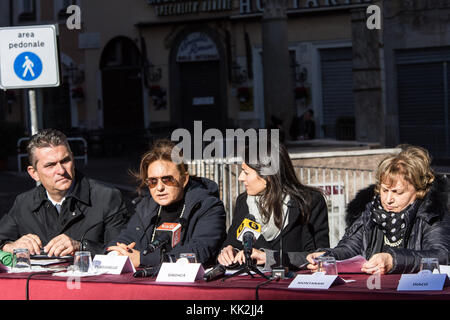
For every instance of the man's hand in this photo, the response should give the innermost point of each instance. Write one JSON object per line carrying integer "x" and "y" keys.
{"x": 28, "y": 241}
{"x": 379, "y": 263}
{"x": 62, "y": 245}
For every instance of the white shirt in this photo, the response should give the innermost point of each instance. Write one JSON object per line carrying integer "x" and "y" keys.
{"x": 57, "y": 205}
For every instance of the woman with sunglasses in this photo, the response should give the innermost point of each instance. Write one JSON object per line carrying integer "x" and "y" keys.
{"x": 174, "y": 197}
{"x": 290, "y": 214}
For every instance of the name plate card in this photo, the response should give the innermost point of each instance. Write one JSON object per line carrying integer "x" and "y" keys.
{"x": 180, "y": 272}
{"x": 113, "y": 264}
{"x": 318, "y": 280}
{"x": 445, "y": 269}
{"x": 422, "y": 281}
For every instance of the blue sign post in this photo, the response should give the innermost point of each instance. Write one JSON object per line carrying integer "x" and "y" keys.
{"x": 28, "y": 66}
{"x": 29, "y": 60}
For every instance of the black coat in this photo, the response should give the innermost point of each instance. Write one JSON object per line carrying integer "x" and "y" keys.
{"x": 204, "y": 230}
{"x": 91, "y": 208}
{"x": 428, "y": 234}
{"x": 298, "y": 239}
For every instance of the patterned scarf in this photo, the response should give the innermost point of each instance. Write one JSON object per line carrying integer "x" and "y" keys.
{"x": 393, "y": 224}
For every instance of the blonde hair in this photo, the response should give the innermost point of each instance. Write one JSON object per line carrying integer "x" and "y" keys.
{"x": 412, "y": 164}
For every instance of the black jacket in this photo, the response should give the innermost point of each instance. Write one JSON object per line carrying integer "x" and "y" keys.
{"x": 298, "y": 239}
{"x": 202, "y": 234}
{"x": 91, "y": 208}
{"x": 428, "y": 234}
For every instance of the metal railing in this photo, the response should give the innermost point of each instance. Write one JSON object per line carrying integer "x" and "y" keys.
{"x": 84, "y": 147}
{"x": 225, "y": 173}
{"x": 340, "y": 186}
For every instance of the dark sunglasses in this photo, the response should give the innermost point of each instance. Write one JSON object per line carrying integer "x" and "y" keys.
{"x": 167, "y": 180}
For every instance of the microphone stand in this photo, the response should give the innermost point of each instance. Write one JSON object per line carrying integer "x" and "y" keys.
{"x": 247, "y": 267}
{"x": 281, "y": 271}
{"x": 155, "y": 270}
{"x": 158, "y": 267}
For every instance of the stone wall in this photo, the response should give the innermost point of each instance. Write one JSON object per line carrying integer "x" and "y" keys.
{"x": 346, "y": 172}
{"x": 348, "y": 160}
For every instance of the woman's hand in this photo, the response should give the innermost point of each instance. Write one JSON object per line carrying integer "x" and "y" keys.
{"x": 379, "y": 263}
{"x": 127, "y": 250}
{"x": 226, "y": 256}
{"x": 258, "y": 255}
{"x": 311, "y": 258}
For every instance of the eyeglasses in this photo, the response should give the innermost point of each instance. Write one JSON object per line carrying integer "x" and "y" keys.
{"x": 167, "y": 180}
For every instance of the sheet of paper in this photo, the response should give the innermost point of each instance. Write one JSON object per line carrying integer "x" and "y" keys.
{"x": 352, "y": 265}
{"x": 77, "y": 274}
{"x": 35, "y": 269}
{"x": 46, "y": 262}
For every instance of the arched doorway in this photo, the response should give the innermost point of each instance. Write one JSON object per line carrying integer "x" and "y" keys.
{"x": 198, "y": 79}
{"x": 120, "y": 65}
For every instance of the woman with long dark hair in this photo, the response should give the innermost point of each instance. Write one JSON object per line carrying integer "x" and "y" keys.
{"x": 289, "y": 212}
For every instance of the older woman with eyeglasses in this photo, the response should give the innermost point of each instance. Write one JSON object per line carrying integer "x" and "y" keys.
{"x": 174, "y": 197}
{"x": 405, "y": 220}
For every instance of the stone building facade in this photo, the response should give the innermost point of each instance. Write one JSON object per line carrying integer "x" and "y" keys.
{"x": 147, "y": 66}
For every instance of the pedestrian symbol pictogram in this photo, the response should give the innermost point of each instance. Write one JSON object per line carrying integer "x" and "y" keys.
{"x": 28, "y": 66}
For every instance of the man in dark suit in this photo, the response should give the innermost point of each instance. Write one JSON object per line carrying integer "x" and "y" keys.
{"x": 67, "y": 212}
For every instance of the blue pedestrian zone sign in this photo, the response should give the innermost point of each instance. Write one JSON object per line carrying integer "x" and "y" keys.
{"x": 29, "y": 57}
{"x": 28, "y": 66}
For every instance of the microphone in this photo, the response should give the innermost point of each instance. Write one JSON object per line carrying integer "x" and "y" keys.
{"x": 168, "y": 233}
{"x": 83, "y": 245}
{"x": 215, "y": 273}
{"x": 247, "y": 242}
{"x": 146, "y": 272}
{"x": 248, "y": 232}
{"x": 248, "y": 225}
{"x": 159, "y": 242}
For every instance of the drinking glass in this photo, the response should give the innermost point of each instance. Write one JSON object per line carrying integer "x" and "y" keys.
{"x": 21, "y": 259}
{"x": 327, "y": 265}
{"x": 431, "y": 264}
{"x": 82, "y": 261}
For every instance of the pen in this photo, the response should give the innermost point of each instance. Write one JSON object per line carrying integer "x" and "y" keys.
{"x": 303, "y": 265}
{"x": 316, "y": 259}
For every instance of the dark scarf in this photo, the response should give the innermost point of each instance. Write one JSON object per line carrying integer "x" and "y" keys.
{"x": 393, "y": 224}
